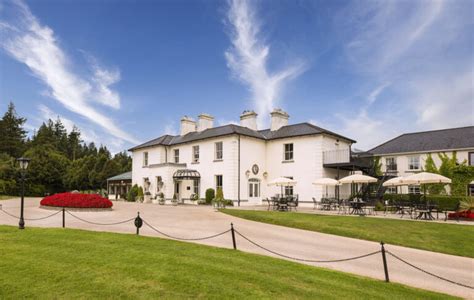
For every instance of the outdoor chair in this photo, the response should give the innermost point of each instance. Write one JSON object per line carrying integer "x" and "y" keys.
{"x": 293, "y": 202}
{"x": 325, "y": 204}
{"x": 274, "y": 203}
{"x": 370, "y": 208}
{"x": 344, "y": 206}
{"x": 316, "y": 203}
{"x": 269, "y": 203}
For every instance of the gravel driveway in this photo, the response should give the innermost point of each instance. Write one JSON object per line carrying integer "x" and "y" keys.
{"x": 200, "y": 221}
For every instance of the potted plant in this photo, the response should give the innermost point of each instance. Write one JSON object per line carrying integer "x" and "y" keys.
{"x": 175, "y": 200}
{"x": 147, "y": 197}
{"x": 218, "y": 200}
{"x": 161, "y": 198}
{"x": 140, "y": 194}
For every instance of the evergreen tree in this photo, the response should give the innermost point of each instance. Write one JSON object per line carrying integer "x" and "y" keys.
{"x": 12, "y": 134}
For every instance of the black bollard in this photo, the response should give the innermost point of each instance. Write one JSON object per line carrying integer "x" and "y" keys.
{"x": 64, "y": 217}
{"x": 233, "y": 236}
{"x": 384, "y": 259}
{"x": 138, "y": 223}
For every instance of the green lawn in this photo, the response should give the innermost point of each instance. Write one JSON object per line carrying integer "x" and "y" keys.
{"x": 6, "y": 197}
{"x": 445, "y": 238}
{"x": 68, "y": 263}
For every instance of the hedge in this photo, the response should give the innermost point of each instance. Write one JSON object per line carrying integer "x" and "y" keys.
{"x": 443, "y": 202}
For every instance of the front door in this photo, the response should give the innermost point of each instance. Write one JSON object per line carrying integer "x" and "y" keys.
{"x": 254, "y": 192}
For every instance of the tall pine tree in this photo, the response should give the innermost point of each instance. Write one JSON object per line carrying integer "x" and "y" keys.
{"x": 12, "y": 134}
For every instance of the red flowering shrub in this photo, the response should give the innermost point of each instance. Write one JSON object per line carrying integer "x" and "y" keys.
{"x": 76, "y": 200}
{"x": 466, "y": 214}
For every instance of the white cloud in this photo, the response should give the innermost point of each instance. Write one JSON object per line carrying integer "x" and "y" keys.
{"x": 37, "y": 47}
{"x": 376, "y": 92}
{"x": 86, "y": 134}
{"x": 418, "y": 51}
{"x": 248, "y": 58}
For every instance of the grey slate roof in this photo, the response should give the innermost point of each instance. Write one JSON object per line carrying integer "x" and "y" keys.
{"x": 123, "y": 176}
{"x": 444, "y": 139}
{"x": 284, "y": 132}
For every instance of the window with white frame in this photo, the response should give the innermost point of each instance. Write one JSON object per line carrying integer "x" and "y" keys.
{"x": 219, "y": 151}
{"x": 196, "y": 186}
{"x": 391, "y": 164}
{"x": 219, "y": 181}
{"x": 471, "y": 158}
{"x": 414, "y": 162}
{"x": 195, "y": 154}
{"x": 413, "y": 189}
{"x": 289, "y": 189}
{"x": 471, "y": 190}
{"x": 391, "y": 190}
{"x": 145, "y": 159}
{"x": 288, "y": 152}
{"x": 176, "y": 155}
{"x": 159, "y": 183}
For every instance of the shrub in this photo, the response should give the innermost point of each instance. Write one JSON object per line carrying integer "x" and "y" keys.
{"x": 76, "y": 200}
{"x": 443, "y": 202}
{"x": 210, "y": 195}
{"x": 220, "y": 194}
{"x": 140, "y": 193}
{"x": 132, "y": 193}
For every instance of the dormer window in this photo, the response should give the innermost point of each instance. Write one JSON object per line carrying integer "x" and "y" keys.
{"x": 145, "y": 159}
{"x": 176, "y": 156}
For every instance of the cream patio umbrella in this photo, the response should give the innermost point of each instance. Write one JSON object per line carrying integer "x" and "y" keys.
{"x": 326, "y": 182}
{"x": 282, "y": 181}
{"x": 358, "y": 178}
{"x": 395, "y": 182}
{"x": 426, "y": 178}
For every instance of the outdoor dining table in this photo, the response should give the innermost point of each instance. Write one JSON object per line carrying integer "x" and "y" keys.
{"x": 425, "y": 212}
{"x": 357, "y": 207}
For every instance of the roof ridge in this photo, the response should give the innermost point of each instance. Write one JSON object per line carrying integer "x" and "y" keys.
{"x": 434, "y": 130}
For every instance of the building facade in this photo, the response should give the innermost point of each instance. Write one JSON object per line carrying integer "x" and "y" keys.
{"x": 407, "y": 153}
{"x": 240, "y": 159}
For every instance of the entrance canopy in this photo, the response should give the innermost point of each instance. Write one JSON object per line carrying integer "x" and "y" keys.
{"x": 186, "y": 174}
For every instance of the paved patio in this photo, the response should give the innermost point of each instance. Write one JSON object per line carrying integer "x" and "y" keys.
{"x": 199, "y": 221}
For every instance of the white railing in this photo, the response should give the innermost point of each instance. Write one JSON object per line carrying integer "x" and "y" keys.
{"x": 336, "y": 156}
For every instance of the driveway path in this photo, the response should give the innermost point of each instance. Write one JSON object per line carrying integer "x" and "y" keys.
{"x": 199, "y": 221}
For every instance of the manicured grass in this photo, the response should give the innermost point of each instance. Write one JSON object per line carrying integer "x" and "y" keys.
{"x": 445, "y": 238}
{"x": 6, "y": 197}
{"x": 67, "y": 263}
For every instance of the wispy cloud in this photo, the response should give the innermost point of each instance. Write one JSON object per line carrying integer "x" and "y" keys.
{"x": 46, "y": 113}
{"x": 29, "y": 42}
{"x": 376, "y": 92}
{"x": 248, "y": 57}
{"x": 417, "y": 51}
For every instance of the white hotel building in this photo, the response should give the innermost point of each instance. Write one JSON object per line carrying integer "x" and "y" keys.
{"x": 241, "y": 159}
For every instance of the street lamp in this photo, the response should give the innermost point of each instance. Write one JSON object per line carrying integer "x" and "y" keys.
{"x": 23, "y": 166}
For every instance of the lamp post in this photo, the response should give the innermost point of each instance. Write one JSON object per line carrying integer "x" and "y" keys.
{"x": 23, "y": 166}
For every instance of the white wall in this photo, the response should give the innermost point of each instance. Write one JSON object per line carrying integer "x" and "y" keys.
{"x": 402, "y": 161}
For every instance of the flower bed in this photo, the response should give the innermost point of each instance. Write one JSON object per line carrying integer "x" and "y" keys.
{"x": 466, "y": 214}
{"x": 76, "y": 201}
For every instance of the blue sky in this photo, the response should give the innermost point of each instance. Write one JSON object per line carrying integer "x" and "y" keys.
{"x": 126, "y": 71}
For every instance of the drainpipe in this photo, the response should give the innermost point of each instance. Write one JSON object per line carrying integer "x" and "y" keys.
{"x": 238, "y": 175}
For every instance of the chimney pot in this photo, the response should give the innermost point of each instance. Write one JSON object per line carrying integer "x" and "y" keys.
{"x": 248, "y": 119}
{"x": 205, "y": 121}
{"x": 279, "y": 119}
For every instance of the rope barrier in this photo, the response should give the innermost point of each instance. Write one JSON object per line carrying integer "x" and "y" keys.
{"x": 27, "y": 219}
{"x": 306, "y": 260}
{"x": 429, "y": 273}
{"x": 185, "y": 239}
{"x": 96, "y": 223}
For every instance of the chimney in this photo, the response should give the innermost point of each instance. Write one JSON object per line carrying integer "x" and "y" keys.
{"x": 205, "y": 121}
{"x": 249, "y": 119}
{"x": 279, "y": 119}
{"x": 187, "y": 125}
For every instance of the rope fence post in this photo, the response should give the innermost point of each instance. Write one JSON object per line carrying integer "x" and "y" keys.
{"x": 233, "y": 236}
{"x": 384, "y": 259}
{"x": 64, "y": 217}
{"x": 138, "y": 222}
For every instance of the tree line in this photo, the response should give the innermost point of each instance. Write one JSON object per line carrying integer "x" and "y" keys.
{"x": 60, "y": 160}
